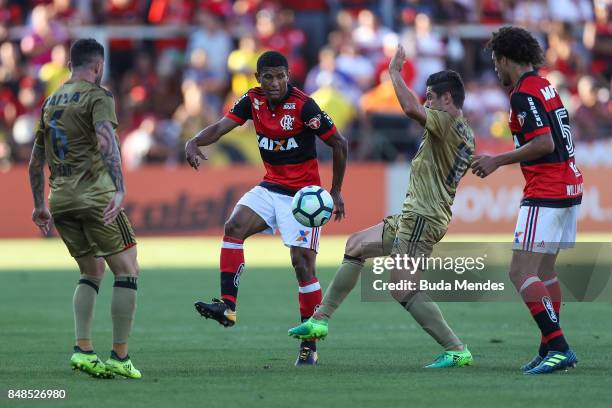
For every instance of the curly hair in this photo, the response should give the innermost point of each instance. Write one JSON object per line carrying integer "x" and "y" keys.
{"x": 518, "y": 45}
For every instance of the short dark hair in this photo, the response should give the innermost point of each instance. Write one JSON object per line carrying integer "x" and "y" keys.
{"x": 448, "y": 81}
{"x": 83, "y": 51}
{"x": 518, "y": 45}
{"x": 271, "y": 59}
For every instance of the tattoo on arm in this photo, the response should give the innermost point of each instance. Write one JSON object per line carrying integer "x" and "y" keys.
{"x": 110, "y": 152}
{"x": 37, "y": 175}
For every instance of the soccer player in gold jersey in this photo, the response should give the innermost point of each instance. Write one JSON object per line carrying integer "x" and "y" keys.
{"x": 443, "y": 158}
{"x": 76, "y": 137}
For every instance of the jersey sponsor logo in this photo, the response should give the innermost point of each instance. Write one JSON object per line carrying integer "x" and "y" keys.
{"x": 327, "y": 118}
{"x": 277, "y": 145}
{"x": 286, "y": 122}
{"x": 314, "y": 123}
{"x": 521, "y": 118}
{"x": 303, "y": 236}
{"x": 548, "y": 305}
{"x": 517, "y": 237}
{"x": 290, "y": 105}
{"x": 534, "y": 110}
{"x": 574, "y": 189}
{"x": 64, "y": 99}
{"x": 549, "y": 92}
{"x": 257, "y": 103}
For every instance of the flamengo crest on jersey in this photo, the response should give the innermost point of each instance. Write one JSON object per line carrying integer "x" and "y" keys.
{"x": 286, "y": 135}
{"x": 553, "y": 180}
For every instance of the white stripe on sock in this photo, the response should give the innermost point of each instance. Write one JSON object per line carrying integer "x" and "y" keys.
{"x": 231, "y": 245}
{"x": 313, "y": 287}
{"x": 528, "y": 282}
{"x": 550, "y": 281}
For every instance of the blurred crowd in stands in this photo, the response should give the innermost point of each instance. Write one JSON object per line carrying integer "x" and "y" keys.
{"x": 168, "y": 88}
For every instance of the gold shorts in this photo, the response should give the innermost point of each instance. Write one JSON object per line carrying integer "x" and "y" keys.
{"x": 410, "y": 234}
{"x": 84, "y": 232}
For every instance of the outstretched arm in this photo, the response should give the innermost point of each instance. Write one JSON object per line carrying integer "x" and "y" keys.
{"x": 540, "y": 146}
{"x": 111, "y": 157}
{"x": 206, "y": 137}
{"x": 40, "y": 215}
{"x": 339, "y": 147}
{"x": 409, "y": 102}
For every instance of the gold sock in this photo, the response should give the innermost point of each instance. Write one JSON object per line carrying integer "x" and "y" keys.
{"x": 344, "y": 281}
{"x": 84, "y": 303}
{"x": 123, "y": 307}
{"x": 427, "y": 313}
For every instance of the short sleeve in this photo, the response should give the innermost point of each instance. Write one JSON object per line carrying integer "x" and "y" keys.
{"x": 437, "y": 123}
{"x": 104, "y": 109}
{"x": 531, "y": 115}
{"x": 318, "y": 121}
{"x": 241, "y": 111}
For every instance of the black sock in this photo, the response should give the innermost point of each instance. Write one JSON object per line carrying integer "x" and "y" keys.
{"x": 543, "y": 349}
{"x": 311, "y": 344}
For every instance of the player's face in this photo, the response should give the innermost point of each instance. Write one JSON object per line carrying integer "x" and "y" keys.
{"x": 433, "y": 100}
{"x": 274, "y": 82}
{"x": 500, "y": 70}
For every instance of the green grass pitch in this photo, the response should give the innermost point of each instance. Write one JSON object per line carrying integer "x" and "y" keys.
{"x": 373, "y": 356}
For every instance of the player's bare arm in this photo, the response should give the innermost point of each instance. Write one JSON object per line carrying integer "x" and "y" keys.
{"x": 41, "y": 215}
{"x": 112, "y": 161}
{"x": 206, "y": 137}
{"x": 484, "y": 165}
{"x": 407, "y": 99}
{"x": 339, "y": 147}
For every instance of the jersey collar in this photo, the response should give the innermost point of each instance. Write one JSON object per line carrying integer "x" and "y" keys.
{"x": 522, "y": 78}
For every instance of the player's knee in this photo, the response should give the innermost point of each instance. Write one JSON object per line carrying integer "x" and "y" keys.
{"x": 518, "y": 274}
{"x": 353, "y": 247}
{"x": 233, "y": 228}
{"x": 402, "y": 296}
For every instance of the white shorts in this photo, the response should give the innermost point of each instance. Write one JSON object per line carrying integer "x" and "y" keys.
{"x": 275, "y": 210}
{"x": 544, "y": 229}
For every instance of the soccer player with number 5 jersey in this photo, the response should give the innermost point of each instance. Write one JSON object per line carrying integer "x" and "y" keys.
{"x": 553, "y": 189}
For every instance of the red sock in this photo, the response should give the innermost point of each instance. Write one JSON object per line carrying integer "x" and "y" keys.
{"x": 231, "y": 265}
{"x": 554, "y": 288}
{"x": 540, "y": 305}
{"x": 310, "y": 297}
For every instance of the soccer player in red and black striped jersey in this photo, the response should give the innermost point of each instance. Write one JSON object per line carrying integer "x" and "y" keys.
{"x": 287, "y": 123}
{"x": 553, "y": 188}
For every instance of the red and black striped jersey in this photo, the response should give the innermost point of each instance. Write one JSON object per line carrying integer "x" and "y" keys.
{"x": 536, "y": 109}
{"x": 286, "y": 136}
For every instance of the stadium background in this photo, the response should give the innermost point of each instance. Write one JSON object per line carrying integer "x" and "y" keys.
{"x": 176, "y": 65}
